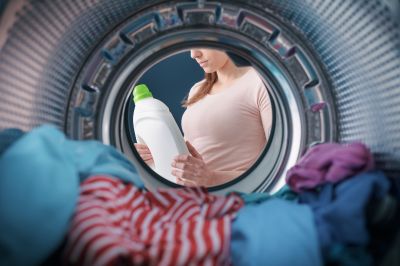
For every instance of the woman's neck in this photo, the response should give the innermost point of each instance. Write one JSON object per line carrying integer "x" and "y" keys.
{"x": 228, "y": 73}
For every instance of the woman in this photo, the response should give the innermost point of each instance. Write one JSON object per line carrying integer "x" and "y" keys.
{"x": 226, "y": 124}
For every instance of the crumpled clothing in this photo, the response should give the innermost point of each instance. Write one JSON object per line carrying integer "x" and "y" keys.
{"x": 329, "y": 163}
{"x": 39, "y": 186}
{"x": 275, "y": 232}
{"x": 119, "y": 224}
{"x": 340, "y": 210}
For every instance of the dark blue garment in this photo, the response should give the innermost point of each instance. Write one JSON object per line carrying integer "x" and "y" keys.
{"x": 340, "y": 209}
{"x": 396, "y": 187}
{"x": 348, "y": 256}
{"x": 39, "y": 186}
{"x": 8, "y": 137}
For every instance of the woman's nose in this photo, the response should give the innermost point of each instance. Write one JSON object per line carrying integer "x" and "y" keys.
{"x": 195, "y": 53}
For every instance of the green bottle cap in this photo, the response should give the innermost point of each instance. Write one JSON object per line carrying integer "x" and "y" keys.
{"x": 141, "y": 92}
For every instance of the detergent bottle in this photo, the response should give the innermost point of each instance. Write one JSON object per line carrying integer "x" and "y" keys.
{"x": 155, "y": 126}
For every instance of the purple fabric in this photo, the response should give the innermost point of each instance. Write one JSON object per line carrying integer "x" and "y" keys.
{"x": 317, "y": 107}
{"x": 329, "y": 163}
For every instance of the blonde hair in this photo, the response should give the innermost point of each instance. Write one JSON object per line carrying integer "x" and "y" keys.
{"x": 205, "y": 88}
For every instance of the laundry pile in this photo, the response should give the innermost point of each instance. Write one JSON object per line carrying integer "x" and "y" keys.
{"x": 83, "y": 203}
{"x": 347, "y": 197}
{"x": 117, "y": 224}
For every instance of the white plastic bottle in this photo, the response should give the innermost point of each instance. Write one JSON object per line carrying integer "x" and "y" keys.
{"x": 155, "y": 126}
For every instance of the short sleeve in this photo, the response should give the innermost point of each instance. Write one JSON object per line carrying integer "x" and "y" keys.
{"x": 264, "y": 105}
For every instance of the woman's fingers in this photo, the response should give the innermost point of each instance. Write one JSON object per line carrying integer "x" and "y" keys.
{"x": 193, "y": 150}
{"x": 183, "y": 174}
{"x": 182, "y": 166}
{"x": 144, "y": 152}
{"x": 187, "y": 158}
{"x": 185, "y": 182}
{"x": 146, "y": 157}
{"x": 143, "y": 149}
{"x": 140, "y": 145}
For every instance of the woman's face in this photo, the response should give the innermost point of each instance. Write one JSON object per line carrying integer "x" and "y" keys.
{"x": 209, "y": 59}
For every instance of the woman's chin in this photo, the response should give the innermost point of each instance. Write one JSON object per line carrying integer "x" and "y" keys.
{"x": 208, "y": 70}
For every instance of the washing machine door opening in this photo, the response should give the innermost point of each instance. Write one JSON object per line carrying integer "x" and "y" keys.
{"x": 297, "y": 88}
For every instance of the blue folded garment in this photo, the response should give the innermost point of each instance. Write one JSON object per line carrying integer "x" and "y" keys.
{"x": 39, "y": 186}
{"x": 275, "y": 232}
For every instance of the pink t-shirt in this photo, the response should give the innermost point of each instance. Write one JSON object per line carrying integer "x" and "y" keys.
{"x": 230, "y": 128}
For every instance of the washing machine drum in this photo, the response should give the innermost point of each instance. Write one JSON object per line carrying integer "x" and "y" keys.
{"x": 333, "y": 66}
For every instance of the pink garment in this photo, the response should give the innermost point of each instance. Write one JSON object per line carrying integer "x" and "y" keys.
{"x": 329, "y": 163}
{"x": 230, "y": 128}
{"x": 119, "y": 224}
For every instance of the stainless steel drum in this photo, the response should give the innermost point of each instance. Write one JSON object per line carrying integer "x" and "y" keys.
{"x": 334, "y": 67}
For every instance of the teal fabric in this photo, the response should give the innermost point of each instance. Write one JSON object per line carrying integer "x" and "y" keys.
{"x": 39, "y": 187}
{"x": 275, "y": 232}
{"x": 257, "y": 197}
{"x": 287, "y": 194}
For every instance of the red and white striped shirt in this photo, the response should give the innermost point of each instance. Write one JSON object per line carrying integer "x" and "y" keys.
{"x": 117, "y": 223}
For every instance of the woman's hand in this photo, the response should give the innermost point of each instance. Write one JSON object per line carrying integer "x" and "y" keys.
{"x": 190, "y": 169}
{"x": 144, "y": 153}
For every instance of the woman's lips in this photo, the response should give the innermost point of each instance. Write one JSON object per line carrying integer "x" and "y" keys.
{"x": 203, "y": 63}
